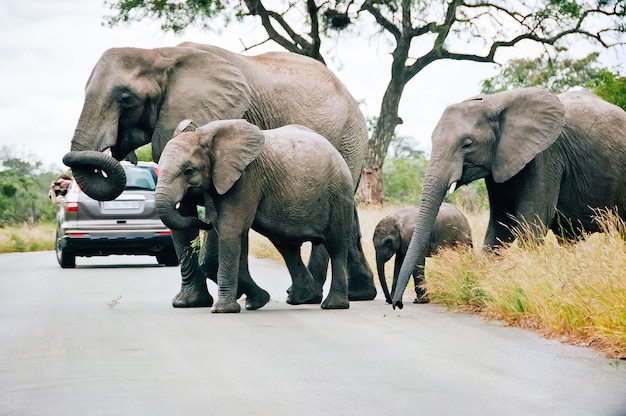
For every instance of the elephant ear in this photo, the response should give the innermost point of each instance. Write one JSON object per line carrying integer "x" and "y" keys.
{"x": 530, "y": 120}
{"x": 184, "y": 126}
{"x": 199, "y": 85}
{"x": 231, "y": 145}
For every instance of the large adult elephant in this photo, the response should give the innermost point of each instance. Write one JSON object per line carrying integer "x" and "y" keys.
{"x": 548, "y": 161}
{"x": 136, "y": 96}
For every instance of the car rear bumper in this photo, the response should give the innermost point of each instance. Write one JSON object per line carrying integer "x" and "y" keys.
{"x": 107, "y": 245}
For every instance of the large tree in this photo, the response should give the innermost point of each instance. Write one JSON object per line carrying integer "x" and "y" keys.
{"x": 463, "y": 30}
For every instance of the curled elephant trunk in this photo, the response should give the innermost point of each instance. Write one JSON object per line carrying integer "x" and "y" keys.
{"x": 380, "y": 265}
{"x": 432, "y": 197}
{"x": 166, "y": 208}
{"x": 99, "y": 175}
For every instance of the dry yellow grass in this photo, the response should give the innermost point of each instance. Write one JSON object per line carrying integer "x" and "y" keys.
{"x": 576, "y": 293}
{"x": 27, "y": 238}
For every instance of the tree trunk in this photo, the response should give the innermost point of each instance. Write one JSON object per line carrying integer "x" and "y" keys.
{"x": 371, "y": 189}
{"x": 371, "y": 186}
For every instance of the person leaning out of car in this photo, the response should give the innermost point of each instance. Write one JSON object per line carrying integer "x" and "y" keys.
{"x": 58, "y": 188}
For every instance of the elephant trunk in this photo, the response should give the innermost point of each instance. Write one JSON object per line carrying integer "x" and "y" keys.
{"x": 380, "y": 265}
{"x": 433, "y": 192}
{"x": 99, "y": 175}
{"x": 166, "y": 208}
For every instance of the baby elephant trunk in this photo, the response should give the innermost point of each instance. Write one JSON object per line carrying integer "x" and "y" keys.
{"x": 166, "y": 208}
{"x": 380, "y": 265}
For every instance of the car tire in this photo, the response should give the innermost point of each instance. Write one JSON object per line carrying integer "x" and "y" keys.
{"x": 66, "y": 260}
{"x": 167, "y": 257}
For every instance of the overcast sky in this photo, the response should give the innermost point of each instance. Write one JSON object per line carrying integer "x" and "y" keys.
{"x": 48, "y": 49}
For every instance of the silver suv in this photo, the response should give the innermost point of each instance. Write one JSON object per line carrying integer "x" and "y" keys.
{"x": 127, "y": 225}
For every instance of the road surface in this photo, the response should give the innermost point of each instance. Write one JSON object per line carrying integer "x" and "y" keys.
{"x": 103, "y": 339}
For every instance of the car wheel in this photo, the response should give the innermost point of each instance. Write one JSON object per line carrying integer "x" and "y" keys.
{"x": 168, "y": 257}
{"x": 66, "y": 260}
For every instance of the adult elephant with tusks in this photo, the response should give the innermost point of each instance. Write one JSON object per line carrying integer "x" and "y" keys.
{"x": 135, "y": 96}
{"x": 549, "y": 162}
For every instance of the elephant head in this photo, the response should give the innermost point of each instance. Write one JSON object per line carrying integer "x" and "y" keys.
{"x": 136, "y": 96}
{"x": 211, "y": 157}
{"x": 387, "y": 240}
{"x": 493, "y": 135}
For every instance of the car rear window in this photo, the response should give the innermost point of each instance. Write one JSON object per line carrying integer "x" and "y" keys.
{"x": 138, "y": 177}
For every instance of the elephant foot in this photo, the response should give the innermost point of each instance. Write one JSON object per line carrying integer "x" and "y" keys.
{"x": 192, "y": 299}
{"x": 257, "y": 300}
{"x": 336, "y": 301}
{"x": 367, "y": 292}
{"x": 421, "y": 299}
{"x": 222, "y": 306}
{"x": 303, "y": 296}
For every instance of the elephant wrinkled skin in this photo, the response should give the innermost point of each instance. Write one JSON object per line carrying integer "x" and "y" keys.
{"x": 549, "y": 162}
{"x": 137, "y": 96}
{"x": 393, "y": 234}
{"x": 250, "y": 181}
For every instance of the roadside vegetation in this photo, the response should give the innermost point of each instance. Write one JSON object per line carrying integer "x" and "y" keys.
{"x": 25, "y": 237}
{"x": 574, "y": 293}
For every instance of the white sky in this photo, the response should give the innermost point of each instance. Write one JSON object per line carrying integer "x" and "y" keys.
{"x": 48, "y": 49}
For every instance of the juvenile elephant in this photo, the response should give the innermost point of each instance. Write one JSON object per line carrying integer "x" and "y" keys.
{"x": 136, "y": 96}
{"x": 393, "y": 234}
{"x": 548, "y": 161}
{"x": 289, "y": 184}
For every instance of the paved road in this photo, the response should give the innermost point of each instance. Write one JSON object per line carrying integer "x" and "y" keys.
{"x": 103, "y": 340}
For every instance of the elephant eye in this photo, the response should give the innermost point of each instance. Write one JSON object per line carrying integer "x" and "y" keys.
{"x": 466, "y": 143}
{"x": 126, "y": 100}
{"x": 188, "y": 171}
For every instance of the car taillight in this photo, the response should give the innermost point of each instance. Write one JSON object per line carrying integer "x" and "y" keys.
{"x": 71, "y": 207}
{"x": 168, "y": 232}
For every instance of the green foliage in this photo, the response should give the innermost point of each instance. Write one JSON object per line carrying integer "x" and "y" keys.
{"x": 144, "y": 153}
{"x": 610, "y": 86}
{"x": 555, "y": 74}
{"x": 559, "y": 75}
{"x": 403, "y": 179}
{"x": 24, "y": 191}
{"x": 175, "y": 15}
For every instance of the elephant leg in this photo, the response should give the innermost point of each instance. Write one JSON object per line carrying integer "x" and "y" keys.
{"x": 304, "y": 288}
{"x": 338, "y": 295}
{"x": 229, "y": 251}
{"x": 193, "y": 290}
{"x": 318, "y": 266}
{"x": 501, "y": 212}
{"x": 418, "y": 280}
{"x": 255, "y": 296}
{"x": 360, "y": 276}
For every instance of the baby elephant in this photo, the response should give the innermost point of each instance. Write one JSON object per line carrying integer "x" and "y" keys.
{"x": 289, "y": 184}
{"x": 393, "y": 234}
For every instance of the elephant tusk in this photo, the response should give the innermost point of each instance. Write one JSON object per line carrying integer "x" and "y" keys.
{"x": 452, "y": 188}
